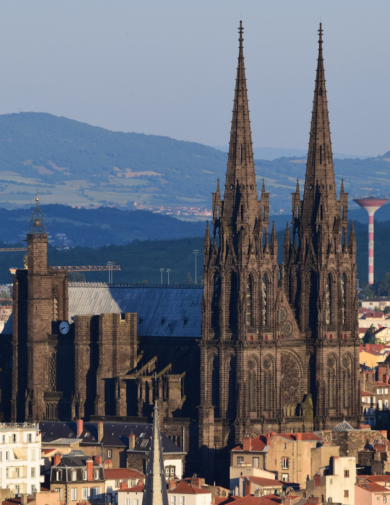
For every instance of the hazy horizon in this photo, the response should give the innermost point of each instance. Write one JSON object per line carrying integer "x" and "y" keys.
{"x": 169, "y": 69}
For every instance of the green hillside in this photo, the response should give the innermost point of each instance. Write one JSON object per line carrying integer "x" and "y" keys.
{"x": 73, "y": 163}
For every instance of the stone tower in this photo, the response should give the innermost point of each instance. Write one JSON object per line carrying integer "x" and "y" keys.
{"x": 321, "y": 273}
{"x": 277, "y": 342}
{"x": 40, "y": 297}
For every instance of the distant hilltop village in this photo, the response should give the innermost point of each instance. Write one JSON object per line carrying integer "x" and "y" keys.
{"x": 262, "y": 348}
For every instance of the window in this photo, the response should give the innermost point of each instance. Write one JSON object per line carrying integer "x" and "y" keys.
{"x": 74, "y": 475}
{"x": 1, "y": 456}
{"x": 96, "y": 492}
{"x": 33, "y": 455}
{"x": 32, "y": 472}
{"x": 73, "y": 494}
{"x": 173, "y": 500}
{"x": 330, "y": 481}
{"x": 96, "y": 475}
{"x": 84, "y": 475}
{"x": 330, "y": 499}
{"x": 285, "y": 477}
{"x": 378, "y": 498}
{"x": 29, "y": 437}
{"x": 346, "y": 493}
{"x": 255, "y": 462}
{"x": 127, "y": 501}
{"x": 6, "y": 455}
{"x": 136, "y": 501}
{"x": 3, "y": 439}
{"x": 85, "y": 493}
{"x": 58, "y": 475}
{"x": 386, "y": 391}
{"x": 240, "y": 460}
{"x": 384, "y": 499}
{"x": 182, "y": 500}
{"x": 109, "y": 454}
{"x": 14, "y": 438}
{"x": 285, "y": 463}
{"x": 285, "y": 446}
{"x": 32, "y": 488}
{"x": 346, "y": 473}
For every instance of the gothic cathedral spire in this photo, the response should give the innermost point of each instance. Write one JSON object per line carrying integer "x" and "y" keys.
{"x": 319, "y": 190}
{"x": 240, "y": 186}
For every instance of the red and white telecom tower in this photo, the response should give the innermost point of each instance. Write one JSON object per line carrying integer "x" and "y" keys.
{"x": 371, "y": 204}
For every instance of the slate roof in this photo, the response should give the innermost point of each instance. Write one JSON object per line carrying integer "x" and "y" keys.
{"x": 162, "y": 311}
{"x": 343, "y": 426}
{"x": 115, "y": 435}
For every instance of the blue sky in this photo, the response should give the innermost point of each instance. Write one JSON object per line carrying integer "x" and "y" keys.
{"x": 168, "y": 67}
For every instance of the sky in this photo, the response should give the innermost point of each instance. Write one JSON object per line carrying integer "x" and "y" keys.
{"x": 167, "y": 67}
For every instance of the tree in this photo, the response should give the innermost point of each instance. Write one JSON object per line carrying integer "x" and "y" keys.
{"x": 369, "y": 336}
{"x": 76, "y": 277}
{"x": 387, "y": 310}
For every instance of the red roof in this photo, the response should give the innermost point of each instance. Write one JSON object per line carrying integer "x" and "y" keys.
{"x": 122, "y": 473}
{"x": 264, "y": 482}
{"x": 372, "y": 487}
{"x": 381, "y": 383}
{"x": 371, "y": 347}
{"x": 270, "y": 499}
{"x": 258, "y": 443}
{"x": 372, "y": 314}
{"x": 185, "y": 488}
{"x": 366, "y": 393}
{"x": 135, "y": 489}
{"x": 378, "y": 478}
{"x": 362, "y": 310}
{"x": 221, "y": 500}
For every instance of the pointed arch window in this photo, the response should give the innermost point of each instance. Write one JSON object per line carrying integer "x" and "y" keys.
{"x": 249, "y": 301}
{"x": 328, "y": 300}
{"x": 331, "y": 382}
{"x": 343, "y": 302}
{"x": 264, "y": 289}
{"x": 215, "y": 302}
{"x": 55, "y": 308}
{"x": 251, "y": 391}
{"x": 267, "y": 384}
{"x": 215, "y": 384}
{"x": 347, "y": 380}
{"x": 233, "y": 300}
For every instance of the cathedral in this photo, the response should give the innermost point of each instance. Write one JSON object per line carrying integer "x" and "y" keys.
{"x": 263, "y": 346}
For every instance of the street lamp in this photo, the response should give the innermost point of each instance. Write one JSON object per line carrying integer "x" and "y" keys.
{"x": 196, "y": 251}
{"x": 168, "y": 270}
{"x": 161, "y": 270}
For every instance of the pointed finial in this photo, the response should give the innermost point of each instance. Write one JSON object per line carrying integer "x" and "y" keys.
{"x": 320, "y": 32}
{"x": 218, "y": 190}
{"x": 342, "y": 186}
{"x": 263, "y": 186}
{"x": 37, "y": 222}
{"x": 241, "y": 31}
{"x": 297, "y": 189}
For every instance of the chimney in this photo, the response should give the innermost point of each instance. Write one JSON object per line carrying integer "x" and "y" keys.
{"x": 131, "y": 441}
{"x": 298, "y": 436}
{"x": 100, "y": 431}
{"x": 80, "y": 427}
{"x": 269, "y": 439}
{"x": 57, "y": 458}
{"x": 196, "y": 481}
{"x": 98, "y": 460}
{"x": 23, "y": 500}
{"x": 123, "y": 485}
{"x": 317, "y": 479}
{"x": 247, "y": 487}
{"x": 384, "y": 433}
{"x": 247, "y": 443}
{"x": 89, "y": 464}
{"x": 172, "y": 484}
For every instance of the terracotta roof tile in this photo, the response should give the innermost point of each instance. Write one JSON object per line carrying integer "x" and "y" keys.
{"x": 264, "y": 482}
{"x": 135, "y": 489}
{"x": 185, "y": 488}
{"x": 122, "y": 473}
{"x": 372, "y": 487}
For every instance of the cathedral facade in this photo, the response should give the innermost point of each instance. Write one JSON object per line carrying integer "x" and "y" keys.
{"x": 280, "y": 345}
{"x": 265, "y": 346}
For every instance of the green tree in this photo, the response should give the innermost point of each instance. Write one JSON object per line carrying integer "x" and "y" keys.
{"x": 76, "y": 277}
{"x": 369, "y": 336}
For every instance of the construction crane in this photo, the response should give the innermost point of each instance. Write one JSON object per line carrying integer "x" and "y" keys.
{"x": 88, "y": 268}
{"x": 13, "y": 249}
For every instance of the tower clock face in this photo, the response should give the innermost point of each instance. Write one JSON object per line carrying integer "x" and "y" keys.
{"x": 64, "y": 327}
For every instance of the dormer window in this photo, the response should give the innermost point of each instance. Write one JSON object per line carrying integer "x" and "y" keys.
{"x": 84, "y": 475}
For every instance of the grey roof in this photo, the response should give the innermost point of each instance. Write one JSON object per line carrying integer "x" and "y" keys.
{"x": 162, "y": 311}
{"x": 116, "y": 434}
{"x": 343, "y": 426}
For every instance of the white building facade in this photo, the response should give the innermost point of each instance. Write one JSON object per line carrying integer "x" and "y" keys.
{"x": 20, "y": 458}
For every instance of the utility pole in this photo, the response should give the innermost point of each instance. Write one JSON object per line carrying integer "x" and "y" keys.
{"x": 168, "y": 271}
{"x": 161, "y": 270}
{"x": 196, "y": 251}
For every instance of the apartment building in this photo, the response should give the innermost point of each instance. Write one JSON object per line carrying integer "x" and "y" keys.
{"x": 20, "y": 458}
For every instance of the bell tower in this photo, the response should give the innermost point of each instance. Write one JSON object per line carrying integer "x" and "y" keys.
{"x": 321, "y": 273}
